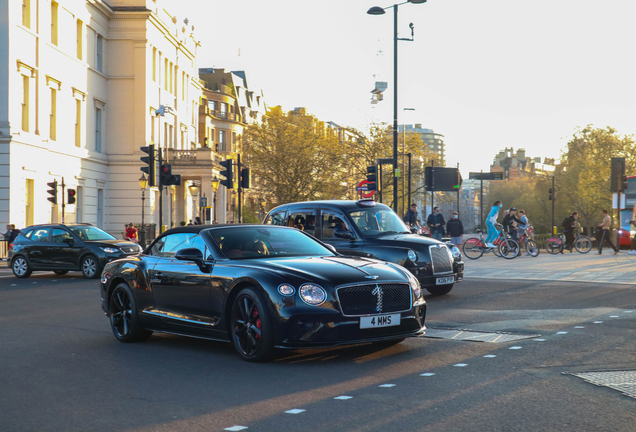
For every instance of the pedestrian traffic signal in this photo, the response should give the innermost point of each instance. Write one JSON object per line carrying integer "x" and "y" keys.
{"x": 372, "y": 178}
{"x": 227, "y": 173}
{"x": 619, "y": 180}
{"x": 245, "y": 178}
{"x": 623, "y": 183}
{"x": 70, "y": 193}
{"x": 166, "y": 178}
{"x": 52, "y": 192}
{"x": 150, "y": 164}
{"x": 552, "y": 196}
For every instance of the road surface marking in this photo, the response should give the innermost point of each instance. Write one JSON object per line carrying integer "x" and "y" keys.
{"x": 490, "y": 356}
{"x": 387, "y": 385}
{"x": 294, "y": 411}
{"x": 461, "y": 365}
{"x": 343, "y": 397}
{"x": 427, "y": 374}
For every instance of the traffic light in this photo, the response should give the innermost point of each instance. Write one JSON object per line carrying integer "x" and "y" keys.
{"x": 619, "y": 181}
{"x": 227, "y": 173}
{"x": 150, "y": 164}
{"x": 70, "y": 193}
{"x": 167, "y": 178}
{"x": 552, "y": 196}
{"x": 245, "y": 178}
{"x": 372, "y": 178}
{"x": 52, "y": 192}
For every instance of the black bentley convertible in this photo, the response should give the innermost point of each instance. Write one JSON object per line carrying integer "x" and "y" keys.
{"x": 260, "y": 287}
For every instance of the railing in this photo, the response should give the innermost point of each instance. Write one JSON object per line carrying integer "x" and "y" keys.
{"x": 4, "y": 249}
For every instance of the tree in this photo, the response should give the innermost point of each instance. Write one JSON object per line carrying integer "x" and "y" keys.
{"x": 294, "y": 158}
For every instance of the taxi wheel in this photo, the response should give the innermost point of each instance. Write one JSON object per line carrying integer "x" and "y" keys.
{"x": 439, "y": 289}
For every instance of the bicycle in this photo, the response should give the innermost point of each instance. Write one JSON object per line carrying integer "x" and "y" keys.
{"x": 505, "y": 246}
{"x": 555, "y": 245}
{"x": 531, "y": 246}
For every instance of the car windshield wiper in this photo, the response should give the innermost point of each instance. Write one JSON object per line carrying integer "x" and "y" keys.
{"x": 388, "y": 232}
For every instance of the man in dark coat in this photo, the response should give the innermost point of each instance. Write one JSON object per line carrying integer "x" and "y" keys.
{"x": 412, "y": 217}
{"x": 569, "y": 225}
{"x": 436, "y": 222}
{"x": 508, "y": 222}
{"x": 455, "y": 229}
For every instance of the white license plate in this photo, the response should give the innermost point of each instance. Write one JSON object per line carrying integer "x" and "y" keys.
{"x": 380, "y": 321}
{"x": 445, "y": 280}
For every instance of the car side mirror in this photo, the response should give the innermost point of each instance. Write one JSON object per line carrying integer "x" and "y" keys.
{"x": 194, "y": 255}
{"x": 343, "y": 234}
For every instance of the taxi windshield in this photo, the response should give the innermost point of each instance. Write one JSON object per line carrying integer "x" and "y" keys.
{"x": 375, "y": 222}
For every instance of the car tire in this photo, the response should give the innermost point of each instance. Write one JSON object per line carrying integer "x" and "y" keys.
{"x": 60, "y": 272}
{"x": 124, "y": 317}
{"x": 90, "y": 267}
{"x": 438, "y": 290}
{"x": 251, "y": 326}
{"x": 21, "y": 267}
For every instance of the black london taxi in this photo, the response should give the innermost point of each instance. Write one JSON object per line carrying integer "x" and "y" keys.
{"x": 370, "y": 229}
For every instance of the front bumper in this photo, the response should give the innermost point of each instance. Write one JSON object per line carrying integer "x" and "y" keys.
{"x": 325, "y": 330}
{"x": 424, "y": 276}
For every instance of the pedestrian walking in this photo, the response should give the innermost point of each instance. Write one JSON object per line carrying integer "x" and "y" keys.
{"x": 412, "y": 217}
{"x": 455, "y": 229}
{"x": 605, "y": 233}
{"x": 493, "y": 232}
{"x": 13, "y": 233}
{"x": 197, "y": 221}
{"x": 569, "y": 227}
{"x": 436, "y": 222}
{"x": 190, "y": 222}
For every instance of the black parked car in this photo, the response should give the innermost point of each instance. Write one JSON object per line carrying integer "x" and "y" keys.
{"x": 260, "y": 287}
{"x": 370, "y": 229}
{"x": 66, "y": 247}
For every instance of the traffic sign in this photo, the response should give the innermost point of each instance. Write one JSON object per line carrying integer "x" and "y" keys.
{"x": 362, "y": 188}
{"x": 486, "y": 176}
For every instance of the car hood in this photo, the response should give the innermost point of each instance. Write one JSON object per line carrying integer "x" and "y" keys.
{"x": 407, "y": 240}
{"x": 113, "y": 242}
{"x": 331, "y": 270}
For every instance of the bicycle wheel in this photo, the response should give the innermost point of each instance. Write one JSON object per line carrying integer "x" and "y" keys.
{"x": 509, "y": 248}
{"x": 473, "y": 248}
{"x": 583, "y": 244}
{"x": 532, "y": 248}
{"x": 554, "y": 245}
{"x": 495, "y": 250}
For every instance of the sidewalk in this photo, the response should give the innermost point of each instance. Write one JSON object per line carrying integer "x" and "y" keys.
{"x": 590, "y": 267}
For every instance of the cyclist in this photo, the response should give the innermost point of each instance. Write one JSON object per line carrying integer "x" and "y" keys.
{"x": 509, "y": 223}
{"x": 493, "y": 232}
{"x": 569, "y": 226}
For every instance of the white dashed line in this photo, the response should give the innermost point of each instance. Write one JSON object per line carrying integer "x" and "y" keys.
{"x": 613, "y": 316}
{"x": 427, "y": 374}
{"x": 235, "y": 428}
{"x": 579, "y": 326}
{"x": 562, "y": 333}
{"x": 294, "y": 411}
{"x": 490, "y": 356}
{"x": 14, "y": 284}
{"x": 343, "y": 397}
{"x": 598, "y": 322}
{"x": 387, "y": 385}
{"x": 461, "y": 365}
{"x": 539, "y": 340}
{"x": 629, "y": 311}
{"x": 515, "y": 347}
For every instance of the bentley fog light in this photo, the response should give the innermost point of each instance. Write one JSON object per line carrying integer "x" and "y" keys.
{"x": 286, "y": 289}
{"x": 313, "y": 295}
{"x": 412, "y": 255}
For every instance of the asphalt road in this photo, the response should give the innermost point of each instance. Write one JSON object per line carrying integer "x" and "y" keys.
{"x": 61, "y": 369}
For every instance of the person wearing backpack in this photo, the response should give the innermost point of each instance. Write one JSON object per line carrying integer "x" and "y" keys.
{"x": 569, "y": 225}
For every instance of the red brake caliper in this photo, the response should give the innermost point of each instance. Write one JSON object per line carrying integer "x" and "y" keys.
{"x": 258, "y": 321}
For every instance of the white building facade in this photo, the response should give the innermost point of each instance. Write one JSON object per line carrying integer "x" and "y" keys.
{"x": 80, "y": 81}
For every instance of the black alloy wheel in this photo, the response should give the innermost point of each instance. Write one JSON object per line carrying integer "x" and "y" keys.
{"x": 438, "y": 290}
{"x": 90, "y": 267}
{"x": 251, "y": 327}
{"x": 124, "y": 320}
{"x": 21, "y": 267}
{"x": 60, "y": 272}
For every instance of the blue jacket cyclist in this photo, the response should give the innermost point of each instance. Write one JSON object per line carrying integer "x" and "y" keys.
{"x": 493, "y": 232}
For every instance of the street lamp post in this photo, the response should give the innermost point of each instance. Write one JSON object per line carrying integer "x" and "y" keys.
{"x": 215, "y": 187}
{"x": 194, "y": 189}
{"x": 376, "y": 10}
{"x": 143, "y": 184}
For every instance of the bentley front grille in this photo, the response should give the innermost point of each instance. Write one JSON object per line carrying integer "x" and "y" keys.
{"x": 374, "y": 299}
{"x": 441, "y": 259}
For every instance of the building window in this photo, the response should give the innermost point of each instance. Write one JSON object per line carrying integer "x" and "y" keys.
{"x": 166, "y": 74}
{"x": 78, "y": 123}
{"x": 98, "y": 130}
{"x": 171, "y": 68}
{"x": 25, "y": 103}
{"x": 154, "y": 64}
{"x": 53, "y": 116}
{"x": 26, "y": 13}
{"x": 183, "y": 80}
{"x": 79, "y": 39}
{"x": 222, "y": 141}
{"x": 99, "y": 56}
{"x": 54, "y": 23}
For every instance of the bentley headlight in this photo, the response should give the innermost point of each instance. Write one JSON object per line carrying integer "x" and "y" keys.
{"x": 415, "y": 286}
{"x": 456, "y": 253}
{"x": 286, "y": 289}
{"x": 313, "y": 295}
{"x": 412, "y": 255}
{"x": 110, "y": 250}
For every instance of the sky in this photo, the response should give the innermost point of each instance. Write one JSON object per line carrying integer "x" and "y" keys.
{"x": 486, "y": 74}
